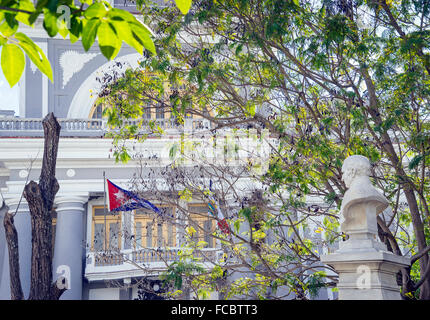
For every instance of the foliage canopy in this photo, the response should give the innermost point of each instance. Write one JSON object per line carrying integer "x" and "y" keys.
{"x": 328, "y": 79}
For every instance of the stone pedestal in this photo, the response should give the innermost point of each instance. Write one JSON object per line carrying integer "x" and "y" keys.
{"x": 367, "y": 275}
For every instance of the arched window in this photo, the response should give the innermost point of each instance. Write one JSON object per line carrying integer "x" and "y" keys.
{"x": 151, "y": 110}
{"x": 97, "y": 111}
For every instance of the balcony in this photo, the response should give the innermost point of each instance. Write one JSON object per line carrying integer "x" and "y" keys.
{"x": 137, "y": 263}
{"x": 130, "y": 5}
{"x": 32, "y": 127}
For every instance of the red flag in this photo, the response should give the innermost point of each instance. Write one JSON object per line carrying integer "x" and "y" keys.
{"x": 116, "y": 197}
{"x": 124, "y": 200}
{"x": 223, "y": 225}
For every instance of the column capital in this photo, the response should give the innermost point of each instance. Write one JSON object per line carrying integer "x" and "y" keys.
{"x": 70, "y": 203}
{"x": 12, "y": 203}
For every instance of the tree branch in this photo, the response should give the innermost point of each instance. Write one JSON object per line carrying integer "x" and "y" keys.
{"x": 12, "y": 244}
{"x": 15, "y": 10}
{"x": 418, "y": 255}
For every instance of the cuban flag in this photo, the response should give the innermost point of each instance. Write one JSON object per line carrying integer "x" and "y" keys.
{"x": 215, "y": 211}
{"x": 123, "y": 200}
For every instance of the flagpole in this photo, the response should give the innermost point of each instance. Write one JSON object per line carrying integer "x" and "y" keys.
{"x": 104, "y": 207}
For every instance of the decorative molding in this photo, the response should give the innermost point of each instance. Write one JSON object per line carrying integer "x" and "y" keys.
{"x": 84, "y": 98}
{"x": 70, "y": 209}
{"x": 70, "y": 173}
{"x": 72, "y": 62}
{"x": 23, "y": 174}
{"x": 13, "y": 203}
{"x": 70, "y": 202}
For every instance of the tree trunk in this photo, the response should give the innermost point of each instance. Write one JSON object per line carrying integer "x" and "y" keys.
{"x": 40, "y": 198}
{"x": 41, "y": 255}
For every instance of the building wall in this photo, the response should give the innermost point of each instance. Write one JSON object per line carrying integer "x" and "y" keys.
{"x": 104, "y": 294}
{"x": 71, "y": 65}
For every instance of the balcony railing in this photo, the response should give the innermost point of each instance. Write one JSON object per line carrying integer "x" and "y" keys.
{"x": 32, "y": 127}
{"x": 130, "y": 5}
{"x": 114, "y": 265}
{"x": 148, "y": 256}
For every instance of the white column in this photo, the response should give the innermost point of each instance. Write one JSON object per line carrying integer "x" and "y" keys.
{"x": 22, "y": 224}
{"x": 70, "y": 244}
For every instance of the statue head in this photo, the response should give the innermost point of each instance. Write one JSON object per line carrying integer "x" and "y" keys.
{"x": 362, "y": 202}
{"x": 353, "y": 167}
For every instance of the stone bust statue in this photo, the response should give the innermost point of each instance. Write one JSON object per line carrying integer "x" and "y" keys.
{"x": 362, "y": 202}
{"x": 367, "y": 270}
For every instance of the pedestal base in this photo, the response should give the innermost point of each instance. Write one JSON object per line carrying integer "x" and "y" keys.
{"x": 367, "y": 275}
{"x": 361, "y": 245}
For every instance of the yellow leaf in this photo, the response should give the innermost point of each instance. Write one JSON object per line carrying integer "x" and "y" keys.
{"x": 190, "y": 230}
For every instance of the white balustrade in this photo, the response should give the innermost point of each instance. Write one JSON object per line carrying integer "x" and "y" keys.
{"x": 149, "y": 259}
{"x": 91, "y": 127}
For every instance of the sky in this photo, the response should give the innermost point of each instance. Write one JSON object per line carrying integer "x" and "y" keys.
{"x": 9, "y": 97}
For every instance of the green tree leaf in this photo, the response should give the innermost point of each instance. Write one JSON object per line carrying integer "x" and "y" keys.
{"x": 108, "y": 40}
{"x": 183, "y": 5}
{"x": 50, "y": 23}
{"x": 36, "y": 55}
{"x": 12, "y": 63}
{"x": 117, "y": 14}
{"x": 173, "y": 150}
{"x": 124, "y": 32}
{"x": 63, "y": 30}
{"x": 415, "y": 161}
{"x": 89, "y": 33}
{"x": 75, "y": 29}
{"x": 96, "y": 10}
{"x": 142, "y": 34}
{"x": 9, "y": 25}
{"x": 23, "y": 17}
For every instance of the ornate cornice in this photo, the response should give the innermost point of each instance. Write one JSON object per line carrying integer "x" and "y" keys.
{"x": 72, "y": 62}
